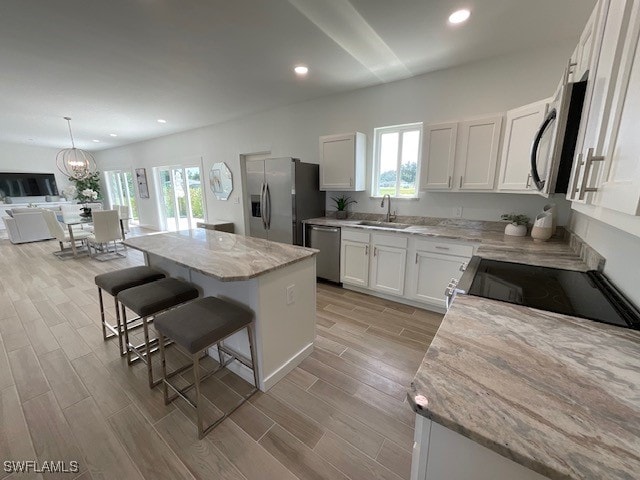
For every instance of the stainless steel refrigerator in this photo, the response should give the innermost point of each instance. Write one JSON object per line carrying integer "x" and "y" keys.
{"x": 282, "y": 193}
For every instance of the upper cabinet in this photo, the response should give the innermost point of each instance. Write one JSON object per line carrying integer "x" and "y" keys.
{"x": 461, "y": 156}
{"x": 581, "y": 60}
{"x": 342, "y": 162}
{"x": 606, "y": 170}
{"x": 521, "y": 127}
{"x": 439, "y": 156}
{"x": 618, "y": 185}
{"x": 477, "y": 157}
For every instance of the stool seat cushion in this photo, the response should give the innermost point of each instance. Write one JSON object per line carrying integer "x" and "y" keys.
{"x": 202, "y": 323}
{"x": 114, "y": 282}
{"x": 157, "y": 296}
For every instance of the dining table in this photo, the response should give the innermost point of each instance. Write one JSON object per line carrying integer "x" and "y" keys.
{"x": 71, "y": 221}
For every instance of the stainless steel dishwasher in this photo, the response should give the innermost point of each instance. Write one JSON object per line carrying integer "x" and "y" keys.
{"x": 327, "y": 240}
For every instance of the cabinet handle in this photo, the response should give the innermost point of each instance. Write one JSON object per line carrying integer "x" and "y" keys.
{"x": 366, "y": 250}
{"x": 588, "y": 164}
{"x": 528, "y": 185}
{"x": 576, "y": 177}
{"x": 449, "y": 183}
{"x": 442, "y": 248}
{"x": 416, "y": 258}
{"x": 460, "y": 182}
{"x": 375, "y": 251}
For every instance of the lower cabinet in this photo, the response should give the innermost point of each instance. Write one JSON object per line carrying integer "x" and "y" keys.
{"x": 354, "y": 268}
{"x": 388, "y": 263}
{"x": 440, "y": 453}
{"x": 400, "y": 265}
{"x": 431, "y": 274}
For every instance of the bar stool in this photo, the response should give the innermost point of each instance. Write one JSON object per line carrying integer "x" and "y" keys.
{"x": 115, "y": 282}
{"x": 147, "y": 301}
{"x": 195, "y": 328}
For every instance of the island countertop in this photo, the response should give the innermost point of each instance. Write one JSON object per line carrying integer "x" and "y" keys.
{"x": 557, "y": 394}
{"x": 224, "y": 256}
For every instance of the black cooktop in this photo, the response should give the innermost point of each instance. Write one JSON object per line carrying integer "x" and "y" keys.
{"x": 580, "y": 294}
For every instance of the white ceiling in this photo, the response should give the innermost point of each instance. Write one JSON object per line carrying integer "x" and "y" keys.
{"x": 117, "y": 66}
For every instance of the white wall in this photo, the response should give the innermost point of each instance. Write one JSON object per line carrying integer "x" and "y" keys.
{"x": 620, "y": 249}
{"x": 30, "y": 158}
{"x": 489, "y": 86}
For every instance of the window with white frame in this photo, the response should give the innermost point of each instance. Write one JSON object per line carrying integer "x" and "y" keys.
{"x": 397, "y": 160}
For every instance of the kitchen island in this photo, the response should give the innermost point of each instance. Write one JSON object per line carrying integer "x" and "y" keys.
{"x": 276, "y": 281}
{"x": 506, "y": 391}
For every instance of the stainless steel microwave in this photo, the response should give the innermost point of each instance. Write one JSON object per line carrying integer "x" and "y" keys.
{"x": 555, "y": 141}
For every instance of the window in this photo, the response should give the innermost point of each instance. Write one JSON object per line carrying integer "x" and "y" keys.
{"x": 120, "y": 190}
{"x": 396, "y": 160}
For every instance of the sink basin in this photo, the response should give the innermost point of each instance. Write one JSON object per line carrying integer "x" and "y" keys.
{"x": 396, "y": 226}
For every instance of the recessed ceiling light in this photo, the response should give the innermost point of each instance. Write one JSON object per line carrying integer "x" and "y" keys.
{"x": 113, "y": 134}
{"x": 96, "y": 141}
{"x": 162, "y": 120}
{"x": 459, "y": 16}
{"x": 301, "y": 70}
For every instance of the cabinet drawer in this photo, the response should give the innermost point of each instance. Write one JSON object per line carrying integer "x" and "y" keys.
{"x": 398, "y": 241}
{"x": 445, "y": 248}
{"x": 355, "y": 235}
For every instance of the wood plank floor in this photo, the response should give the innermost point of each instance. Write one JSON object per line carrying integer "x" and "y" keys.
{"x": 67, "y": 395}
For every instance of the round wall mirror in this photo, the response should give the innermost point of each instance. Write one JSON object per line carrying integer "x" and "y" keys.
{"x": 221, "y": 181}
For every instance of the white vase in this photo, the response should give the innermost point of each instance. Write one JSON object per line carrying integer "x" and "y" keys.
{"x": 551, "y": 208}
{"x": 515, "y": 230}
{"x": 542, "y": 227}
{"x": 544, "y": 220}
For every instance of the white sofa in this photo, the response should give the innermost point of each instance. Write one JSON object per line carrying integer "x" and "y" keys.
{"x": 26, "y": 225}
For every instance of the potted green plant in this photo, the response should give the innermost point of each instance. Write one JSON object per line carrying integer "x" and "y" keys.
{"x": 517, "y": 226}
{"x": 342, "y": 203}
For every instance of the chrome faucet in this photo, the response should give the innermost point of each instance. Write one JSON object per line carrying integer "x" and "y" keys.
{"x": 389, "y": 219}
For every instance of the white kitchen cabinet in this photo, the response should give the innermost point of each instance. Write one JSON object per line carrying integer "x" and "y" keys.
{"x": 354, "y": 258}
{"x": 388, "y": 263}
{"x": 434, "y": 265}
{"x": 618, "y": 187}
{"x": 342, "y": 162}
{"x": 611, "y": 23}
{"x": 477, "y": 155}
{"x": 515, "y": 167}
{"x": 440, "y": 453}
{"x": 438, "y": 161}
{"x": 584, "y": 49}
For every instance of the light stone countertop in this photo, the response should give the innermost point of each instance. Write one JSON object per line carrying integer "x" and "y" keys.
{"x": 492, "y": 242}
{"x": 557, "y": 394}
{"x": 224, "y": 256}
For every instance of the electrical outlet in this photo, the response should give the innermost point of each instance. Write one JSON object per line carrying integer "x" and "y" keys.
{"x": 291, "y": 294}
{"x": 457, "y": 212}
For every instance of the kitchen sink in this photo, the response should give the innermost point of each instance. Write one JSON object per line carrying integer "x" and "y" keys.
{"x": 396, "y": 226}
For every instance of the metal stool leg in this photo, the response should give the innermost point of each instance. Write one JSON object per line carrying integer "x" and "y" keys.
{"x": 252, "y": 349}
{"x": 125, "y": 334}
{"x": 196, "y": 377}
{"x": 148, "y": 350}
{"x": 102, "y": 319}
{"x": 163, "y": 363}
{"x": 119, "y": 325}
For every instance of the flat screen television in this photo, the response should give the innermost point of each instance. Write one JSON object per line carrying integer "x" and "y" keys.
{"x": 13, "y": 184}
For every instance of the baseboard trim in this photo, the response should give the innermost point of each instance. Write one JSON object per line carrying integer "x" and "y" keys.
{"x": 393, "y": 298}
{"x": 246, "y": 374}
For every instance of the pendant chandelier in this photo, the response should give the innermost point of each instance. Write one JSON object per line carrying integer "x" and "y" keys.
{"x": 75, "y": 163}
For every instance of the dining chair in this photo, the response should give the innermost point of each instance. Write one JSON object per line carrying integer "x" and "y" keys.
{"x": 106, "y": 229}
{"x": 60, "y": 233}
{"x": 124, "y": 217}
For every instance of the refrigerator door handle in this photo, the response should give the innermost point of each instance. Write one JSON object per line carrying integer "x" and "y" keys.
{"x": 262, "y": 205}
{"x": 267, "y": 197}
